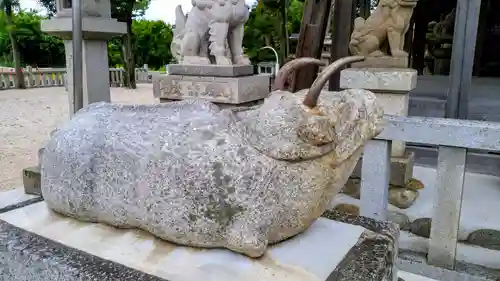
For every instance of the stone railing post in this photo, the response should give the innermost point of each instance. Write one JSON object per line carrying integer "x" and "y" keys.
{"x": 392, "y": 87}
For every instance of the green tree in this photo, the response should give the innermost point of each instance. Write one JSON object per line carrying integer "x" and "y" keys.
{"x": 49, "y": 5}
{"x": 7, "y": 7}
{"x": 265, "y": 28}
{"x": 280, "y": 9}
{"x": 36, "y": 47}
{"x": 152, "y": 40}
{"x": 126, "y": 11}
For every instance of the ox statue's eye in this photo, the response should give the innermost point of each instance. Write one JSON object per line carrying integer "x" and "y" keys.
{"x": 316, "y": 130}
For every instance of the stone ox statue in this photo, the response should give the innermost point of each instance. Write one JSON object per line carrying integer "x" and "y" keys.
{"x": 193, "y": 174}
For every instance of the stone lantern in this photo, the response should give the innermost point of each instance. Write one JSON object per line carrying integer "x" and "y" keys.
{"x": 97, "y": 27}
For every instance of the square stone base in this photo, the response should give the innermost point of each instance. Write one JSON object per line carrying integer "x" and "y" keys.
{"x": 401, "y": 169}
{"x": 335, "y": 248}
{"x": 225, "y": 105}
{"x": 384, "y": 62}
{"x": 383, "y": 80}
{"x": 227, "y": 90}
{"x": 31, "y": 180}
{"x": 211, "y": 70}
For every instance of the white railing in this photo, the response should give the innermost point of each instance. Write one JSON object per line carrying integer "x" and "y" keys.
{"x": 34, "y": 79}
{"x": 453, "y": 137}
{"x": 55, "y": 77}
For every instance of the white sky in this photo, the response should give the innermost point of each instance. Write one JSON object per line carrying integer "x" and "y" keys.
{"x": 158, "y": 9}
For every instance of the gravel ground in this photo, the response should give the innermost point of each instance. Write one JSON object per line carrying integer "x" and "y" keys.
{"x": 28, "y": 116}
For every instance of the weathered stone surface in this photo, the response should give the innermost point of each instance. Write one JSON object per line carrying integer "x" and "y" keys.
{"x": 379, "y": 79}
{"x": 212, "y": 32}
{"x": 211, "y": 70}
{"x": 486, "y": 238}
{"x": 233, "y": 106}
{"x": 401, "y": 197}
{"x": 386, "y": 25}
{"x": 196, "y": 175}
{"x": 347, "y": 209}
{"x": 31, "y": 180}
{"x": 382, "y": 62}
{"x": 34, "y": 256}
{"x": 16, "y": 198}
{"x": 233, "y": 90}
{"x": 421, "y": 227}
{"x": 415, "y": 184}
{"x": 375, "y": 256}
{"x": 30, "y": 257}
{"x": 401, "y": 169}
{"x": 400, "y": 219}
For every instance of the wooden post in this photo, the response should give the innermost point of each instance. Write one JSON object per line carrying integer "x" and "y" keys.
{"x": 344, "y": 12}
{"x": 311, "y": 38}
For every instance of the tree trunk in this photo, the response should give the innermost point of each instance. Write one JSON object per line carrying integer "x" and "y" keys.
{"x": 284, "y": 33}
{"x": 129, "y": 56}
{"x": 16, "y": 55}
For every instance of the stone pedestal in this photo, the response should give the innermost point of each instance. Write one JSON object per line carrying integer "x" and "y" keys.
{"x": 382, "y": 62}
{"x": 392, "y": 87}
{"x": 227, "y": 86}
{"x": 31, "y": 180}
{"x": 336, "y": 247}
{"x": 98, "y": 27}
{"x": 95, "y": 72}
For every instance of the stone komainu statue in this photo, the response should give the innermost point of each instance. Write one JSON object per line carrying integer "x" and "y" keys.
{"x": 191, "y": 173}
{"x": 383, "y": 32}
{"x": 211, "y": 33}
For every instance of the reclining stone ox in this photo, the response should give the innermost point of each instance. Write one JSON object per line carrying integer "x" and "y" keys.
{"x": 193, "y": 174}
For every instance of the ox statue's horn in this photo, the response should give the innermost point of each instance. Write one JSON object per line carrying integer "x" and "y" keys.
{"x": 312, "y": 95}
{"x": 286, "y": 70}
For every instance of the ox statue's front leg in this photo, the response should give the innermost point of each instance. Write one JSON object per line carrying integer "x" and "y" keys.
{"x": 235, "y": 39}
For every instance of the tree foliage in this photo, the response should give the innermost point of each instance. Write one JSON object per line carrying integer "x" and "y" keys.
{"x": 265, "y": 27}
{"x": 150, "y": 40}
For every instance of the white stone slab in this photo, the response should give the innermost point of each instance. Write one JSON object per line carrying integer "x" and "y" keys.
{"x": 13, "y": 197}
{"x": 311, "y": 256}
{"x": 413, "y": 277}
{"x": 379, "y": 79}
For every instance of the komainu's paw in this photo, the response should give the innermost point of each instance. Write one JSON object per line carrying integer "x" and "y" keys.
{"x": 241, "y": 60}
{"x": 195, "y": 60}
{"x": 221, "y": 60}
